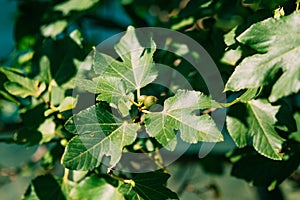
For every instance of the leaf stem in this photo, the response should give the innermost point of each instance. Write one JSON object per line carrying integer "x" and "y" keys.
{"x": 146, "y": 111}
{"x": 51, "y": 84}
{"x": 297, "y": 5}
{"x": 66, "y": 175}
{"x": 128, "y": 181}
{"x": 231, "y": 103}
{"x": 138, "y": 93}
{"x": 65, "y": 180}
{"x": 136, "y": 104}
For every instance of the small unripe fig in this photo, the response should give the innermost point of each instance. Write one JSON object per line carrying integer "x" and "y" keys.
{"x": 63, "y": 142}
{"x": 149, "y": 101}
{"x": 146, "y": 101}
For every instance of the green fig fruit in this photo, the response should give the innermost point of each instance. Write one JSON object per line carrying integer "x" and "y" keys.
{"x": 149, "y": 101}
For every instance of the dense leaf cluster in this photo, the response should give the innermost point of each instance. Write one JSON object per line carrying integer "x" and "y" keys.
{"x": 48, "y": 77}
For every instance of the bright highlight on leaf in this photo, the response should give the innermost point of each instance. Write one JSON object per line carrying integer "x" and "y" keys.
{"x": 22, "y": 86}
{"x": 137, "y": 69}
{"x": 54, "y": 29}
{"x": 75, "y": 5}
{"x": 277, "y": 42}
{"x": 178, "y": 115}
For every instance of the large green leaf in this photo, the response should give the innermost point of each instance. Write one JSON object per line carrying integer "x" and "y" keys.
{"x": 178, "y": 114}
{"x": 94, "y": 188}
{"x": 100, "y": 134}
{"x": 277, "y": 42}
{"x": 22, "y": 86}
{"x": 255, "y": 122}
{"x": 137, "y": 69}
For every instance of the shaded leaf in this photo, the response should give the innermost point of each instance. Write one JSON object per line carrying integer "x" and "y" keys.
{"x": 255, "y": 122}
{"x": 277, "y": 42}
{"x": 44, "y": 187}
{"x": 30, "y": 134}
{"x": 61, "y": 52}
{"x": 151, "y": 186}
{"x": 27, "y": 136}
{"x": 100, "y": 134}
{"x": 45, "y": 71}
{"x": 178, "y": 115}
{"x": 261, "y": 171}
{"x": 9, "y": 97}
{"x": 22, "y": 86}
{"x": 296, "y": 134}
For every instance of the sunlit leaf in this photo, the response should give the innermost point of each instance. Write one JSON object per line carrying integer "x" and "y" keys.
{"x": 48, "y": 130}
{"x": 178, "y": 115}
{"x": 67, "y": 104}
{"x": 277, "y": 42}
{"x": 74, "y": 5}
{"x": 137, "y": 69}
{"x": 54, "y": 29}
{"x": 77, "y": 37}
{"x": 22, "y": 86}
